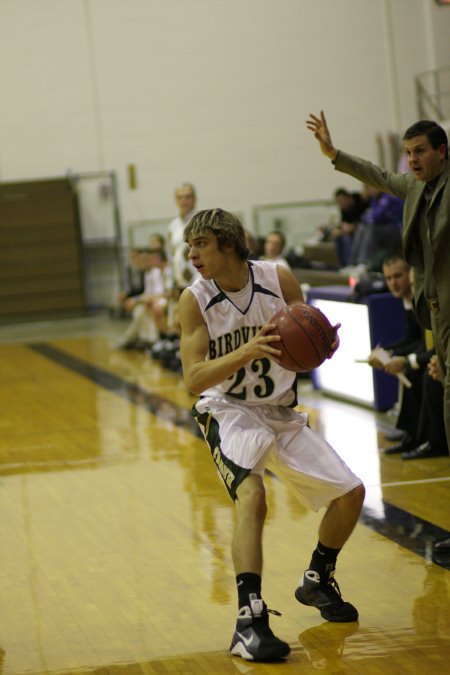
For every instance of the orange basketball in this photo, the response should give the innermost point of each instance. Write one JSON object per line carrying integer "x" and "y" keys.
{"x": 306, "y": 337}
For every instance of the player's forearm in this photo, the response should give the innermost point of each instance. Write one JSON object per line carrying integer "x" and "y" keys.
{"x": 202, "y": 375}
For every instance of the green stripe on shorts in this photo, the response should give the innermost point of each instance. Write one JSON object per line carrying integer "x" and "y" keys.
{"x": 231, "y": 474}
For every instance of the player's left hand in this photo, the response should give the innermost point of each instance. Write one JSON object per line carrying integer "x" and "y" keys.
{"x": 336, "y": 342}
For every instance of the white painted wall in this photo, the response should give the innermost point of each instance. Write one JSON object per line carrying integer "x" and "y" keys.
{"x": 440, "y": 18}
{"x": 210, "y": 91}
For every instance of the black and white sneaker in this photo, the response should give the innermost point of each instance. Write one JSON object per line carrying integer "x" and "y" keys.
{"x": 253, "y": 639}
{"x": 326, "y": 596}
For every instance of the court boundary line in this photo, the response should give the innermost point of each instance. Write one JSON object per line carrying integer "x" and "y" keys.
{"x": 421, "y": 481}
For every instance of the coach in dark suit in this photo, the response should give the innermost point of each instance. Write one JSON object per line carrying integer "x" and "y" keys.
{"x": 426, "y": 226}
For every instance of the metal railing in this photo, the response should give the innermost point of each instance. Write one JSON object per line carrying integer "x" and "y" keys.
{"x": 299, "y": 221}
{"x": 139, "y": 231}
{"x": 433, "y": 94}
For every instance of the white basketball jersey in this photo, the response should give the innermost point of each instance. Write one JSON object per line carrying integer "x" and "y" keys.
{"x": 262, "y": 381}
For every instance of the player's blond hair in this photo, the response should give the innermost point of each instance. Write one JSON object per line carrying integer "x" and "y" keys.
{"x": 226, "y": 227}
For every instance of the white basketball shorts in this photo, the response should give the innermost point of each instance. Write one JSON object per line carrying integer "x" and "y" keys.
{"x": 242, "y": 439}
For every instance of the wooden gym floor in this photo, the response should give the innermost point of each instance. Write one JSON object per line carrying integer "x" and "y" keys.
{"x": 116, "y": 531}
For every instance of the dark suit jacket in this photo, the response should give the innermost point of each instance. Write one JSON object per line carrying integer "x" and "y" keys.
{"x": 411, "y": 190}
{"x": 413, "y": 340}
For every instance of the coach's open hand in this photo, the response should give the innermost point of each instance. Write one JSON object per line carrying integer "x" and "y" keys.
{"x": 318, "y": 125}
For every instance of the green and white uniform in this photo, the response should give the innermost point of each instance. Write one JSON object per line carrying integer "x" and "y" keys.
{"x": 249, "y": 417}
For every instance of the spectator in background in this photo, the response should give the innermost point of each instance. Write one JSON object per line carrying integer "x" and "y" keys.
{"x": 135, "y": 276}
{"x": 382, "y": 222}
{"x": 253, "y": 245}
{"x": 182, "y": 271}
{"x": 397, "y": 275}
{"x": 351, "y": 206}
{"x": 274, "y": 245}
{"x": 426, "y": 437}
{"x": 135, "y": 284}
{"x": 156, "y": 241}
{"x": 421, "y": 422}
{"x": 431, "y": 427}
{"x": 158, "y": 290}
{"x": 376, "y": 234}
{"x": 148, "y": 309}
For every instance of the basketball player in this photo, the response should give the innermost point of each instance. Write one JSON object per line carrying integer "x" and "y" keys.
{"x": 245, "y": 411}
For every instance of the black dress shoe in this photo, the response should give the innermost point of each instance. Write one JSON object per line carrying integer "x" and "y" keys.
{"x": 442, "y": 546}
{"x": 407, "y": 444}
{"x": 423, "y": 451}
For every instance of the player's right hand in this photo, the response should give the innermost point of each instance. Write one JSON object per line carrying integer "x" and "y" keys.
{"x": 264, "y": 343}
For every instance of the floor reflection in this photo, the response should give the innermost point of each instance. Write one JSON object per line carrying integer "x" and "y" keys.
{"x": 132, "y": 560}
{"x": 407, "y": 530}
{"x": 154, "y": 403}
{"x": 328, "y": 644}
{"x": 349, "y": 648}
{"x": 431, "y": 610}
